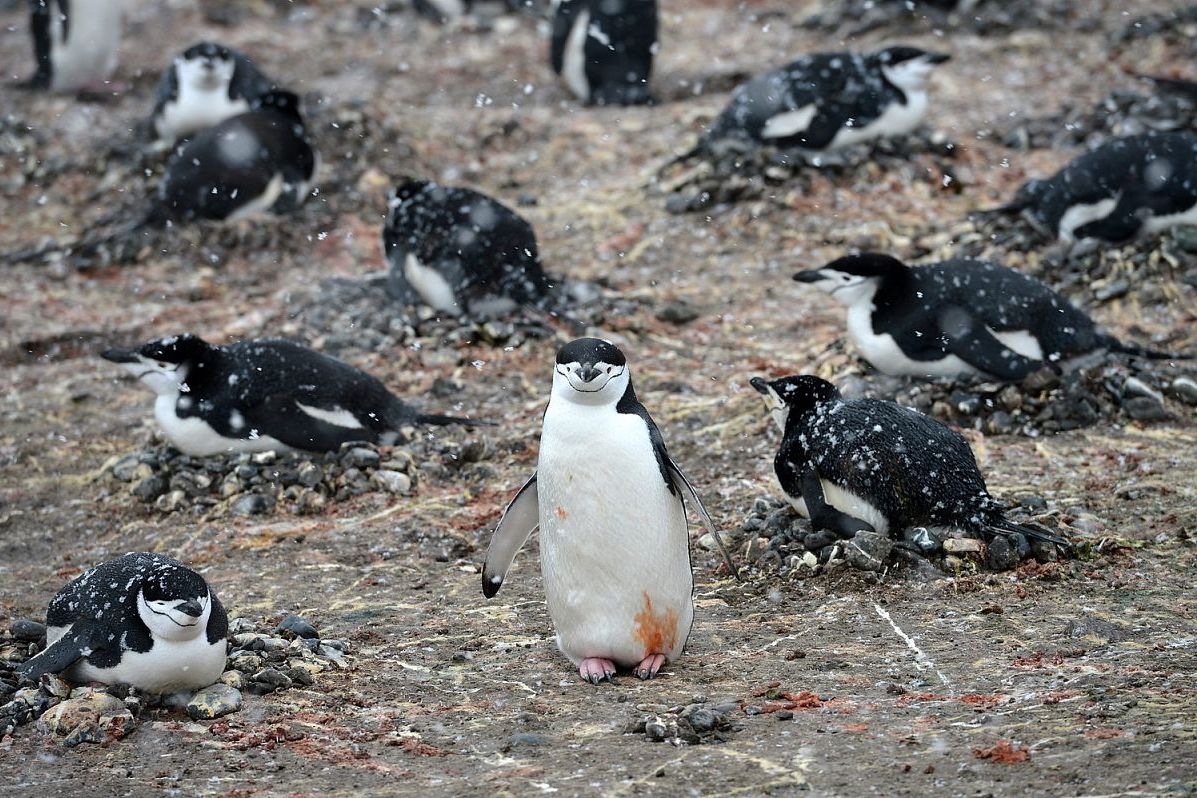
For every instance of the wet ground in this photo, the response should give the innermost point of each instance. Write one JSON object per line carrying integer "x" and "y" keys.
{"x": 1062, "y": 678}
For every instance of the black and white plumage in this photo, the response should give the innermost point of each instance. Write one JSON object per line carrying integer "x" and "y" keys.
{"x": 446, "y": 10}
{"x": 203, "y": 86}
{"x": 142, "y": 620}
{"x": 76, "y": 43}
{"x": 825, "y": 101}
{"x": 610, "y": 505}
{"x": 867, "y": 464}
{"x": 1137, "y": 185}
{"x": 254, "y": 162}
{"x": 253, "y": 396}
{"x": 604, "y": 49}
{"x": 957, "y": 318}
{"x": 460, "y": 252}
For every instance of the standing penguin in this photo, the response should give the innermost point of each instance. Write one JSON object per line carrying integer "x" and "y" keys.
{"x": 610, "y": 505}
{"x": 825, "y": 101}
{"x": 75, "y": 42}
{"x": 604, "y": 49}
{"x": 459, "y": 251}
{"x": 867, "y": 464}
{"x": 958, "y": 318}
{"x": 1126, "y": 187}
{"x": 267, "y": 395}
{"x": 203, "y": 86}
{"x": 143, "y": 620}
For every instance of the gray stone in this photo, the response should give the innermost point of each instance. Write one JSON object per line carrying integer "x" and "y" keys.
{"x": 96, "y": 710}
{"x": 656, "y": 729}
{"x": 27, "y": 631}
{"x": 214, "y": 702}
{"x": 679, "y": 311}
{"x": 392, "y": 481}
{"x": 297, "y": 626}
{"x": 361, "y": 457}
{"x": 1146, "y": 408}
{"x": 868, "y": 550}
{"x": 524, "y": 740}
{"x": 1001, "y": 555}
{"x": 252, "y": 504}
{"x": 272, "y": 678}
{"x": 703, "y": 720}
{"x": 1044, "y": 551}
{"x": 923, "y": 539}
{"x": 962, "y": 546}
{"x": 150, "y": 488}
{"x": 1184, "y": 389}
{"x": 310, "y": 475}
{"x": 816, "y": 541}
{"x": 1041, "y": 381}
{"x": 125, "y": 468}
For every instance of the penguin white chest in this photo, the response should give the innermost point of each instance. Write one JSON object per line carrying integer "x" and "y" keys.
{"x": 898, "y": 119}
{"x": 884, "y": 354}
{"x": 613, "y": 538}
{"x": 90, "y": 51}
{"x": 198, "y": 108}
{"x": 194, "y": 436}
{"x": 169, "y": 666}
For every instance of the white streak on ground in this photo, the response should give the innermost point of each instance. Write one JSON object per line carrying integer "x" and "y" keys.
{"x": 921, "y": 660}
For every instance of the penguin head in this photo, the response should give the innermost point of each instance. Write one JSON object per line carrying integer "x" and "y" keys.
{"x": 174, "y": 602}
{"x": 205, "y": 66}
{"x": 854, "y": 278}
{"x": 163, "y": 363}
{"x": 591, "y": 371}
{"x": 796, "y": 393}
{"x": 405, "y": 189}
{"x": 908, "y": 67}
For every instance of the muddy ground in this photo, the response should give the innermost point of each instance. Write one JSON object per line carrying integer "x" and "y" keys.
{"x": 1066, "y": 679}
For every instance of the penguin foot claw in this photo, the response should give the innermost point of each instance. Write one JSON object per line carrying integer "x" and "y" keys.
{"x": 596, "y": 669}
{"x": 649, "y": 666}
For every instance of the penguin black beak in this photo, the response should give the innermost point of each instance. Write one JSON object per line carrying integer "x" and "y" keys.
{"x": 761, "y": 385}
{"x": 587, "y": 372}
{"x": 938, "y": 58}
{"x": 809, "y": 276}
{"x": 190, "y": 607}
{"x": 120, "y": 355}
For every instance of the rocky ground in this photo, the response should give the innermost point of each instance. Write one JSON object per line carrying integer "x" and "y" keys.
{"x": 930, "y": 676}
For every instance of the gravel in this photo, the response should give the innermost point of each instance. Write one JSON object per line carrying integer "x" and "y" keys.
{"x": 692, "y": 724}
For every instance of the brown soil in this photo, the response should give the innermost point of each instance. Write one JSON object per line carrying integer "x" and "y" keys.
{"x": 1070, "y": 678}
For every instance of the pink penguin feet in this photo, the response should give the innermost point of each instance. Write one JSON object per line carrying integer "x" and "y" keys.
{"x": 596, "y": 669}
{"x": 649, "y": 666}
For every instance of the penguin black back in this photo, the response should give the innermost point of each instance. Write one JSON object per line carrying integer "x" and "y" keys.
{"x": 604, "y": 49}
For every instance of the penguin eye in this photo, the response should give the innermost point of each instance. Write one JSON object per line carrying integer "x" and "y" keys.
{"x": 608, "y": 369}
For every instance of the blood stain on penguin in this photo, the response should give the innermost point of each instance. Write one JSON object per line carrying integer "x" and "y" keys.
{"x": 656, "y": 630}
{"x": 561, "y": 513}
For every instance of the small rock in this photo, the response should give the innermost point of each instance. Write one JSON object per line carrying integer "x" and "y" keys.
{"x": 234, "y": 679}
{"x": 1184, "y": 389}
{"x": 679, "y": 311}
{"x": 962, "y": 546}
{"x": 756, "y": 548}
{"x": 252, "y": 504}
{"x": 94, "y": 711}
{"x": 245, "y": 662}
{"x": 655, "y": 729}
{"x": 361, "y": 457}
{"x": 272, "y": 678}
{"x": 1146, "y": 408}
{"x": 868, "y": 550}
{"x": 27, "y": 631}
{"x": 923, "y": 539}
{"x": 784, "y": 714}
{"x": 524, "y": 739}
{"x": 1000, "y": 554}
{"x": 297, "y": 626}
{"x": 214, "y": 702}
{"x": 392, "y": 481}
{"x": 310, "y": 475}
{"x": 264, "y": 458}
{"x": 1041, "y": 381}
{"x": 816, "y": 541}
{"x": 150, "y": 488}
{"x": 1044, "y": 551}
{"x": 1133, "y": 386}
{"x": 703, "y": 720}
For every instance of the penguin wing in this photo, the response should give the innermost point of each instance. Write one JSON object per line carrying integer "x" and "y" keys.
{"x": 168, "y": 92}
{"x": 519, "y": 521}
{"x": 683, "y": 487}
{"x": 969, "y": 339}
{"x": 248, "y": 82}
{"x": 85, "y": 638}
{"x": 39, "y": 26}
{"x": 312, "y": 427}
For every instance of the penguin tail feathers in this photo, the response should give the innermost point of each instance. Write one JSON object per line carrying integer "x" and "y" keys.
{"x": 1187, "y": 88}
{"x": 1134, "y": 350}
{"x": 1004, "y": 526}
{"x": 438, "y": 420}
{"x": 1009, "y": 209}
{"x": 685, "y": 157}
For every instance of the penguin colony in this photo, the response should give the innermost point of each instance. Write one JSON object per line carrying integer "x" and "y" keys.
{"x": 608, "y": 499}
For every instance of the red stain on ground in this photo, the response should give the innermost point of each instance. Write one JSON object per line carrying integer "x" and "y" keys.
{"x": 657, "y": 631}
{"x": 561, "y": 514}
{"x": 1004, "y": 753}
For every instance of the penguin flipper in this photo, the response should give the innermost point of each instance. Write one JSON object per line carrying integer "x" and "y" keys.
{"x": 684, "y": 488}
{"x": 519, "y": 521}
{"x": 823, "y": 515}
{"x": 84, "y": 638}
{"x": 970, "y": 340}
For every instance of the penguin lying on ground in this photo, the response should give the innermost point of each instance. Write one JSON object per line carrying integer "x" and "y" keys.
{"x": 867, "y": 464}
{"x": 603, "y": 49}
{"x": 825, "y": 101}
{"x": 76, "y": 44}
{"x": 958, "y": 318}
{"x": 254, "y": 396}
{"x": 142, "y": 620}
{"x": 610, "y": 504}
{"x": 1126, "y": 187}
{"x": 459, "y": 251}
{"x": 205, "y": 84}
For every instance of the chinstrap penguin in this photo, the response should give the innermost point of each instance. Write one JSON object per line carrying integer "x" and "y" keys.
{"x": 267, "y": 395}
{"x": 76, "y": 43}
{"x": 958, "y": 318}
{"x": 610, "y": 505}
{"x": 867, "y": 464}
{"x": 261, "y": 160}
{"x": 203, "y": 86}
{"x": 141, "y": 620}
{"x": 825, "y": 101}
{"x": 460, "y": 252}
{"x": 1127, "y": 187}
{"x": 603, "y": 49}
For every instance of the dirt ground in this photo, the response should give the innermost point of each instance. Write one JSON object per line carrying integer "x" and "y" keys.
{"x": 1065, "y": 679}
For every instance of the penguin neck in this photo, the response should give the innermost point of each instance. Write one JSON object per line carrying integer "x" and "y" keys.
{"x": 895, "y": 292}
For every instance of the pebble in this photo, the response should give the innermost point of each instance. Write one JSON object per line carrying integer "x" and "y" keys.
{"x": 868, "y": 550}
{"x": 923, "y": 539}
{"x": 252, "y": 504}
{"x": 297, "y": 626}
{"x": 962, "y": 546}
{"x": 272, "y": 678}
{"x": 214, "y": 701}
{"x": 1184, "y": 389}
{"x": 95, "y": 712}
{"x": 1001, "y": 554}
{"x": 392, "y": 481}
{"x": 1146, "y": 408}
{"x": 679, "y": 311}
{"x": 27, "y": 631}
